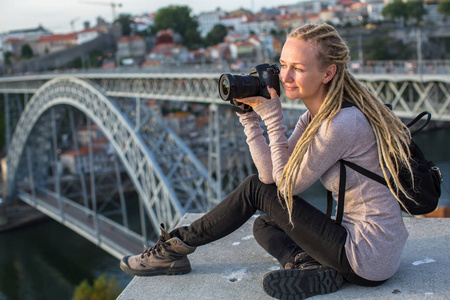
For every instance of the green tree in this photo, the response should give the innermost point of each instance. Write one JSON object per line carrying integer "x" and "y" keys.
{"x": 7, "y": 57}
{"x": 444, "y": 7}
{"x": 216, "y": 35}
{"x": 395, "y": 11}
{"x": 127, "y": 23}
{"x": 102, "y": 289}
{"x": 382, "y": 47}
{"x": 27, "y": 52}
{"x": 178, "y": 18}
{"x": 416, "y": 9}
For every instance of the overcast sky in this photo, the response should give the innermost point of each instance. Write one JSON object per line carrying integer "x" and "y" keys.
{"x": 56, "y": 15}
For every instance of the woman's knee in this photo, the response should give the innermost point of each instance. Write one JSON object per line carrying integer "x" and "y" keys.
{"x": 252, "y": 179}
{"x": 260, "y": 223}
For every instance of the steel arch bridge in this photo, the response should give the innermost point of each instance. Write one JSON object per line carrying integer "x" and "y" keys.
{"x": 168, "y": 178}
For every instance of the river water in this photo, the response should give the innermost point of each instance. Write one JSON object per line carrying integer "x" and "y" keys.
{"x": 47, "y": 260}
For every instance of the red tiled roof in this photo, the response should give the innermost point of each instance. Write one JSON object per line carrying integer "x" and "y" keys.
{"x": 129, "y": 39}
{"x": 13, "y": 40}
{"x": 81, "y": 151}
{"x": 58, "y": 37}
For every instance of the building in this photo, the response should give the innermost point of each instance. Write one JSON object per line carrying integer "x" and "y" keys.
{"x": 13, "y": 45}
{"x": 207, "y": 21}
{"x": 89, "y": 34}
{"x": 144, "y": 21}
{"x": 166, "y": 52}
{"x": 131, "y": 50}
{"x": 56, "y": 42}
{"x": 29, "y": 36}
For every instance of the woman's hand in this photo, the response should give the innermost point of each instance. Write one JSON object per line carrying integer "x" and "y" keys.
{"x": 257, "y": 100}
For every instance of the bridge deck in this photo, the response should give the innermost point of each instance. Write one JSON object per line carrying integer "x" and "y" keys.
{"x": 108, "y": 237}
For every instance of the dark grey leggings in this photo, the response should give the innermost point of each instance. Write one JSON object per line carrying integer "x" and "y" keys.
{"x": 313, "y": 231}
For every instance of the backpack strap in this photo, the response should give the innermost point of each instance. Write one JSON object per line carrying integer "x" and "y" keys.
{"x": 341, "y": 195}
{"x": 342, "y": 182}
{"x": 329, "y": 203}
{"x": 365, "y": 172}
{"x": 416, "y": 119}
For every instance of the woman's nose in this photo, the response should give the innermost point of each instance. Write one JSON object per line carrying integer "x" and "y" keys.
{"x": 285, "y": 76}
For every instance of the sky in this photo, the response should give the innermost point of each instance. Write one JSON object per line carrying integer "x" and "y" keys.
{"x": 57, "y": 15}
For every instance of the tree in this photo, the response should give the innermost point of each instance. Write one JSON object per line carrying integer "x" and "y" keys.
{"x": 395, "y": 10}
{"x": 216, "y": 35}
{"x": 399, "y": 10}
{"x": 27, "y": 52}
{"x": 127, "y": 23}
{"x": 7, "y": 57}
{"x": 416, "y": 10}
{"x": 382, "y": 47}
{"x": 102, "y": 289}
{"x": 444, "y": 7}
{"x": 179, "y": 20}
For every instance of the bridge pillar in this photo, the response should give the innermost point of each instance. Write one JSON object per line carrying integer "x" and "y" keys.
{"x": 214, "y": 153}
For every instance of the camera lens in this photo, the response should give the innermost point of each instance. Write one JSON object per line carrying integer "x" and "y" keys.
{"x": 226, "y": 83}
{"x": 224, "y": 87}
{"x": 231, "y": 87}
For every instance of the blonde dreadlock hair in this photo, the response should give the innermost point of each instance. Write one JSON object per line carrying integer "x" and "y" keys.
{"x": 391, "y": 135}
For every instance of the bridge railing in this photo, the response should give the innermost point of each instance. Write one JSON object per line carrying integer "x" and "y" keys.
{"x": 408, "y": 94}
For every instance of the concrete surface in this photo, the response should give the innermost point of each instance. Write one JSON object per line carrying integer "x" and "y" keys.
{"x": 232, "y": 268}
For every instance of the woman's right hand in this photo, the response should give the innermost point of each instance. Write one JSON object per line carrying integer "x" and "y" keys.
{"x": 254, "y": 101}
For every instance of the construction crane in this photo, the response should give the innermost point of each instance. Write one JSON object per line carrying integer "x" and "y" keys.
{"x": 72, "y": 23}
{"x": 112, "y": 4}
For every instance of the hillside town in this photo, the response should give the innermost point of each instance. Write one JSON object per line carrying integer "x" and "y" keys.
{"x": 250, "y": 37}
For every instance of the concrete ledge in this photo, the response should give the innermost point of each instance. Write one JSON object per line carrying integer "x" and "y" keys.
{"x": 232, "y": 268}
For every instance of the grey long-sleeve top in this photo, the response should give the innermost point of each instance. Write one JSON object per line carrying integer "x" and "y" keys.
{"x": 372, "y": 216}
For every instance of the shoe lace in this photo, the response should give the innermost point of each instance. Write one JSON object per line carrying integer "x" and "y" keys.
{"x": 303, "y": 261}
{"x": 157, "y": 248}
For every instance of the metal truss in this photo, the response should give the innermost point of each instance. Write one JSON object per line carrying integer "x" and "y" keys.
{"x": 408, "y": 94}
{"x": 168, "y": 178}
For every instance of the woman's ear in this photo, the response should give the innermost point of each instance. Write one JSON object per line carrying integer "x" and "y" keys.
{"x": 329, "y": 73}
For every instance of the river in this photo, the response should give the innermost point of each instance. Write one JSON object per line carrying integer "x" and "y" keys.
{"x": 47, "y": 260}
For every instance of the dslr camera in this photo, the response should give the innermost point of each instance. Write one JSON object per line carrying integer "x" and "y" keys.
{"x": 254, "y": 84}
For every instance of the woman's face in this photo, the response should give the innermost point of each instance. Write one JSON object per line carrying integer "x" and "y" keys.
{"x": 301, "y": 72}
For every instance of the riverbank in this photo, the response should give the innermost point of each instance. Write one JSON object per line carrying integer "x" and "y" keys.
{"x": 17, "y": 215}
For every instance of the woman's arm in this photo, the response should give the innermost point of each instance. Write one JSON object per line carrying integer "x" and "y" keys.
{"x": 259, "y": 149}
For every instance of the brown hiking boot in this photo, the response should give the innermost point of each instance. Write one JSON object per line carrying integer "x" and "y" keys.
{"x": 167, "y": 257}
{"x": 302, "y": 279}
{"x": 302, "y": 261}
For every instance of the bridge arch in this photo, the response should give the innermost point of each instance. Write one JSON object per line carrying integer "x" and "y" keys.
{"x": 166, "y": 193}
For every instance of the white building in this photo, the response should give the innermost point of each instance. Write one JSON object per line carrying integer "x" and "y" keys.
{"x": 374, "y": 9}
{"x": 87, "y": 35}
{"x": 207, "y": 21}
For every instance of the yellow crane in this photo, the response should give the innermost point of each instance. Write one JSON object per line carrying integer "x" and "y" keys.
{"x": 112, "y": 4}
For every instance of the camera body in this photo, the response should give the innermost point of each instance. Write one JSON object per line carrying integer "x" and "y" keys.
{"x": 254, "y": 84}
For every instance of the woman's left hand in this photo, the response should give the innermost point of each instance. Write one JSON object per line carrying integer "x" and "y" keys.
{"x": 257, "y": 100}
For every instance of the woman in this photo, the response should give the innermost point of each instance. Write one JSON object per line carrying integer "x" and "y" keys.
{"x": 311, "y": 248}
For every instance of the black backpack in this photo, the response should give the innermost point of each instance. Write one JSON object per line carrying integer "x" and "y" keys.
{"x": 427, "y": 179}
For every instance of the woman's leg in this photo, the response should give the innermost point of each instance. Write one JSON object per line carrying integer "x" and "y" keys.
{"x": 312, "y": 230}
{"x": 274, "y": 240}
